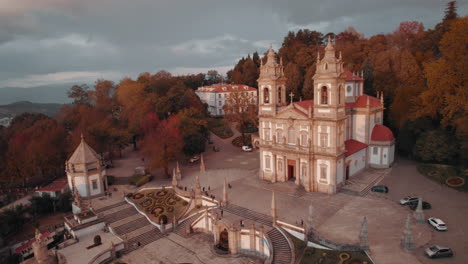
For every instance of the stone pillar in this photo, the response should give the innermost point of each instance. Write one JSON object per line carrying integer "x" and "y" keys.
{"x": 260, "y": 238}
{"x": 252, "y": 237}
{"x": 39, "y": 246}
{"x": 174, "y": 178}
{"x": 198, "y": 194}
{"x": 363, "y": 242}
{"x": 202, "y": 164}
{"x": 178, "y": 173}
{"x": 233, "y": 243}
{"x": 407, "y": 238}
{"x": 419, "y": 214}
{"x": 274, "y": 174}
{"x": 225, "y": 194}
{"x": 163, "y": 226}
{"x": 174, "y": 222}
{"x": 207, "y": 225}
{"x": 297, "y": 172}
{"x": 273, "y": 208}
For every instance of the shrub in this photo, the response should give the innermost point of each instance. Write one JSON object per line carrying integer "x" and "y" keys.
{"x": 220, "y": 128}
{"x": 97, "y": 240}
{"x": 239, "y": 143}
{"x": 110, "y": 179}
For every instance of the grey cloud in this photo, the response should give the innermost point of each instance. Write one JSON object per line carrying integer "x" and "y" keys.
{"x": 53, "y": 36}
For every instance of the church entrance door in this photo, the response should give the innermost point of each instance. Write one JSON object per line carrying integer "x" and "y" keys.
{"x": 291, "y": 170}
{"x": 224, "y": 240}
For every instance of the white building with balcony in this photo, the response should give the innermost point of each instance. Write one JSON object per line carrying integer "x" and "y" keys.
{"x": 216, "y": 95}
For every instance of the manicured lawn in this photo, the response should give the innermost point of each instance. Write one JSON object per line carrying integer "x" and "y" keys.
{"x": 440, "y": 173}
{"x": 159, "y": 204}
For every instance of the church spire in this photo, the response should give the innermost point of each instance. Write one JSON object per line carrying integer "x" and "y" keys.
{"x": 271, "y": 56}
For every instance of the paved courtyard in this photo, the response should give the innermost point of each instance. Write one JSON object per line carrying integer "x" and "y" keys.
{"x": 336, "y": 217}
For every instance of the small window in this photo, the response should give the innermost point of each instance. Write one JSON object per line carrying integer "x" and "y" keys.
{"x": 348, "y": 89}
{"x": 375, "y": 150}
{"x": 303, "y": 139}
{"x": 323, "y": 172}
{"x": 219, "y": 103}
{"x": 219, "y": 95}
{"x": 355, "y": 163}
{"x": 323, "y": 139}
{"x": 94, "y": 184}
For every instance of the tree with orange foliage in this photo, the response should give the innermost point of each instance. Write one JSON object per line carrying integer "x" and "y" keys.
{"x": 162, "y": 141}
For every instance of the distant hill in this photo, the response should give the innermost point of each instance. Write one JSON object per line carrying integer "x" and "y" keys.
{"x": 18, "y": 108}
{"x": 40, "y": 94}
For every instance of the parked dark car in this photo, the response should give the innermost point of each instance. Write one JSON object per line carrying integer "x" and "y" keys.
{"x": 380, "y": 188}
{"x": 414, "y": 205}
{"x": 438, "y": 252}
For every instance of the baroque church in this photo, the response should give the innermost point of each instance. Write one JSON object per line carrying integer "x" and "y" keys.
{"x": 320, "y": 144}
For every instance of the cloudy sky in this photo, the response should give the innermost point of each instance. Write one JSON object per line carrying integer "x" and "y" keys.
{"x": 61, "y": 41}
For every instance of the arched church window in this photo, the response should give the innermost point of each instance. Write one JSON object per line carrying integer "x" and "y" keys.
{"x": 266, "y": 96}
{"x": 324, "y": 95}
{"x": 291, "y": 136}
{"x": 326, "y": 66}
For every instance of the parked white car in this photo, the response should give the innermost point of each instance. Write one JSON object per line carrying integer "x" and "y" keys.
{"x": 437, "y": 223}
{"x": 408, "y": 199}
{"x": 246, "y": 148}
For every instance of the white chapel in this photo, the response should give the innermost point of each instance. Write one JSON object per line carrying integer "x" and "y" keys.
{"x": 85, "y": 172}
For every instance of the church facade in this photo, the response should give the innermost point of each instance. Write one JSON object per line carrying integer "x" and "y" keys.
{"x": 319, "y": 144}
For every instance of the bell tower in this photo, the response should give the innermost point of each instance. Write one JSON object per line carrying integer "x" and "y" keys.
{"x": 329, "y": 116}
{"x": 329, "y": 85}
{"x": 271, "y": 85}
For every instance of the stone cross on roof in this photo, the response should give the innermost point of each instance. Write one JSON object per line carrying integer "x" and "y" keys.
{"x": 291, "y": 95}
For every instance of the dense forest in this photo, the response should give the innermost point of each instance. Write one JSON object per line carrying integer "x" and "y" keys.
{"x": 421, "y": 72}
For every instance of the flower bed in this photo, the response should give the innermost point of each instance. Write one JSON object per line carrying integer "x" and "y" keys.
{"x": 455, "y": 181}
{"x": 159, "y": 204}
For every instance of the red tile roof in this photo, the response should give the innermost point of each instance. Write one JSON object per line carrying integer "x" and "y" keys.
{"x": 352, "y": 77}
{"x": 218, "y": 88}
{"x": 29, "y": 243}
{"x": 381, "y": 133}
{"x": 361, "y": 102}
{"x": 352, "y": 146}
{"x": 306, "y": 104}
{"x": 57, "y": 185}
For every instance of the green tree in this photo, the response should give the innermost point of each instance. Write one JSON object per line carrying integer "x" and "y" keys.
{"x": 436, "y": 146}
{"x": 240, "y": 108}
{"x": 294, "y": 79}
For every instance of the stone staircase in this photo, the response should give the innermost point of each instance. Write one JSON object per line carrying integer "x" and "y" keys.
{"x": 282, "y": 252}
{"x": 106, "y": 208}
{"x": 249, "y": 214}
{"x": 144, "y": 239}
{"x": 130, "y": 225}
{"x": 182, "y": 227}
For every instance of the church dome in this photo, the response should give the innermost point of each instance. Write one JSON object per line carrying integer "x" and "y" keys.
{"x": 381, "y": 133}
